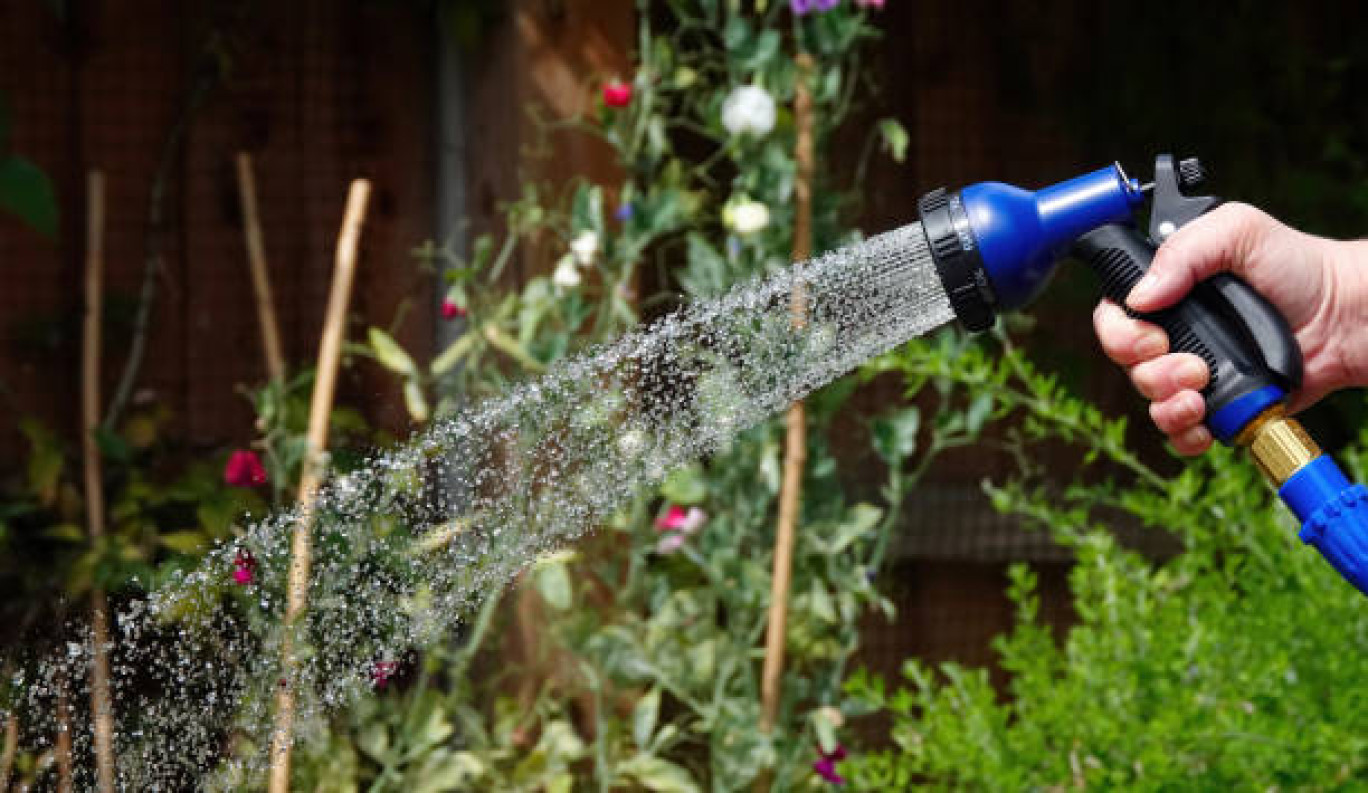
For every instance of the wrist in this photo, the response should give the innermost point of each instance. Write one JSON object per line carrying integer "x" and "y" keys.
{"x": 1345, "y": 263}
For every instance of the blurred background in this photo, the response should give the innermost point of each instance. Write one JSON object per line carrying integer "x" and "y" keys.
{"x": 451, "y": 108}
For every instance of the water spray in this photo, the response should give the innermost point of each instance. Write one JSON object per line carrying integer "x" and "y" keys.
{"x": 994, "y": 247}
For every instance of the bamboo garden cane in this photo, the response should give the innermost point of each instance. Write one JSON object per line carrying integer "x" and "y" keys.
{"x": 101, "y": 701}
{"x": 320, "y": 409}
{"x": 795, "y": 442}
{"x": 261, "y": 277}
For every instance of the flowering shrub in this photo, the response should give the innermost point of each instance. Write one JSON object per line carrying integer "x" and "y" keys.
{"x": 646, "y": 672}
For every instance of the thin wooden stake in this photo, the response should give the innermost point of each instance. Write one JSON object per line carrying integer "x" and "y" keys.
{"x": 65, "y": 766}
{"x": 261, "y": 279}
{"x": 325, "y": 385}
{"x": 101, "y": 702}
{"x": 795, "y": 443}
{"x": 11, "y": 749}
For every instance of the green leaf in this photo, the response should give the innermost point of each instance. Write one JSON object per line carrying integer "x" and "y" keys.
{"x": 112, "y": 446}
{"x": 553, "y": 582}
{"x": 644, "y": 717}
{"x": 657, "y": 774}
{"x": 895, "y": 435}
{"x": 860, "y": 521}
{"x": 822, "y": 606}
{"x": 66, "y": 532}
{"x": 685, "y": 486}
{"x": 979, "y": 412}
{"x": 44, "y": 462}
{"x": 186, "y": 542}
{"x": 825, "y": 729}
{"x": 453, "y": 354}
{"x": 894, "y": 138}
{"x": 587, "y": 210}
{"x": 374, "y": 740}
{"x": 390, "y": 354}
{"x": 27, "y": 192}
{"x": 415, "y": 401}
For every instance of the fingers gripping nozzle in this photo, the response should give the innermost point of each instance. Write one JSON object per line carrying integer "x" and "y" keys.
{"x": 1255, "y": 362}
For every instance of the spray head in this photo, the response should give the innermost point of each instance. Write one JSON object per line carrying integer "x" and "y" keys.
{"x": 995, "y": 245}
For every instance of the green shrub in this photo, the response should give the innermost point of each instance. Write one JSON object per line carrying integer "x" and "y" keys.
{"x": 1237, "y": 664}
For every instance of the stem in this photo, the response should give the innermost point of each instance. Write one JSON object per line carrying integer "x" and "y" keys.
{"x": 101, "y": 702}
{"x": 795, "y": 447}
{"x": 156, "y": 231}
{"x": 261, "y": 278}
{"x": 325, "y": 384}
{"x": 600, "y": 745}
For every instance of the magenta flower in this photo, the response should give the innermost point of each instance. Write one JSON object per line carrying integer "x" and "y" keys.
{"x": 452, "y": 310}
{"x": 679, "y": 519}
{"x": 826, "y": 766}
{"x": 617, "y": 94}
{"x": 244, "y": 568}
{"x": 382, "y": 671}
{"x": 244, "y": 469}
{"x": 677, "y": 524}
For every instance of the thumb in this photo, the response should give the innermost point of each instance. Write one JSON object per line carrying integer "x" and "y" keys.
{"x": 1218, "y": 241}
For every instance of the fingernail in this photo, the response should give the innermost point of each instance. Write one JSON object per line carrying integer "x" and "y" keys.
{"x": 1191, "y": 373}
{"x": 1144, "y": 288}
{"x": 1150, "y": 345}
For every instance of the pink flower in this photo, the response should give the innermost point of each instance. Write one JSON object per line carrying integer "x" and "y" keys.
{"x": 244, "y": 568}
{"x": 617, "y": 93}
{"x": 382, "y": 671}
{"x": 244, "y": 469}
{"x": 451, "y": 310}
{"x": 826, "y": 767}
{"x": 686, "y": 522}
{"x": 670, "y": 543}
{"x": 870, "y": 3}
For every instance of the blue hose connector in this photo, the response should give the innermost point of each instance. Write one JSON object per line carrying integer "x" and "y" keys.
{"x": 1334, "y": 516}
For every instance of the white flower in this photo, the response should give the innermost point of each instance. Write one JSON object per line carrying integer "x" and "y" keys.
{"x": 746, "y": 217}
{"x": 584, "y": 246}
{"x": 567, "y": 274}
{"x": 748, "y": 109}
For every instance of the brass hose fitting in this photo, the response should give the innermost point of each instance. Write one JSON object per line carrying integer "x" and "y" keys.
{"x": 1278, "y": 444}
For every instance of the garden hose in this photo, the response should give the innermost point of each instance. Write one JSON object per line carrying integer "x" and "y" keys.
{"x": 995, "y": 247}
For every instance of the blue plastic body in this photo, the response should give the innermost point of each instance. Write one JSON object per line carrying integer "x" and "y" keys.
{"x": 1022, "y": 234}
{"x": 1334, "y": 515}
{"x": 1227, "y": 422}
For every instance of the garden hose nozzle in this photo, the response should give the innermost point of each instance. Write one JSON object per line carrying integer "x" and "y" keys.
{"x": 995, "y": 247}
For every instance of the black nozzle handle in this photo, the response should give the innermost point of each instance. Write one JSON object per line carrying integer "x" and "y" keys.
{"x": 1244, "y": 340}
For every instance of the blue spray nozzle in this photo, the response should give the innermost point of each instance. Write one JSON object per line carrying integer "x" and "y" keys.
{"x": 996, "y": 245}
{"x": 1022, "y": 234}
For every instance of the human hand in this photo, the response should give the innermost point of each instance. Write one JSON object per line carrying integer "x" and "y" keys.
{"x": 1319, "y": 285}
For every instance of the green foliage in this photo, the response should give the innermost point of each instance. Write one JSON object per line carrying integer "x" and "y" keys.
{"x": 655, "y": 636}
{"x": 25, "y": 189}
{"x": 1233, "y": 665}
